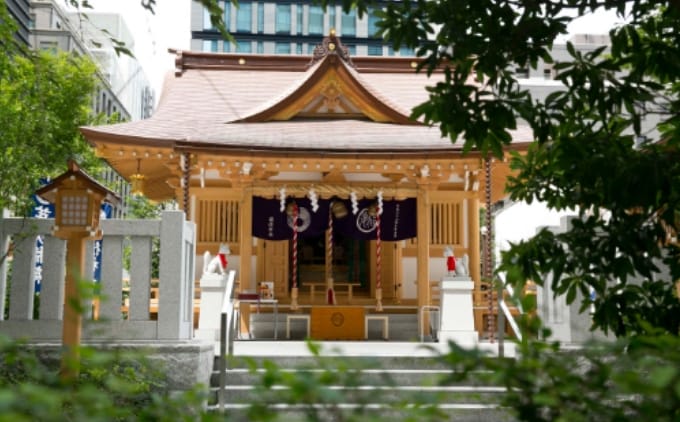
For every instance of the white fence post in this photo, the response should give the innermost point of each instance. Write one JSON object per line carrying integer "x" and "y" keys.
{"x": 140, "y": 277}
{"x": 111, "y": 284}
{"x": 23, "y": 279}
{"x": 176, "y": 287}
{"x": 54, "y": 272}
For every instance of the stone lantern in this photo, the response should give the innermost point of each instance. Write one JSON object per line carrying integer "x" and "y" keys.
{"x": 77, "y": 198}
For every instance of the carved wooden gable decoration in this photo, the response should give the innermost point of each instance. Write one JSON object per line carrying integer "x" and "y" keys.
{"x": 330, "y": 89}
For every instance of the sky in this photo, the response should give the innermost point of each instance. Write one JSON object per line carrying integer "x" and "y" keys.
{"x": 169, "y": 27}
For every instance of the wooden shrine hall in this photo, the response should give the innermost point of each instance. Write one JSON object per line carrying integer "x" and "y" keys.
{"x": 312, "y": 172}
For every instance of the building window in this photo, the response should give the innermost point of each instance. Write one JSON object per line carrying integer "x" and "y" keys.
{"x": 244, "y": 16}
{"x": 548, "y": 72}
{"x": 298, "y": 24}
{"x": 282, "y": 24}
{"x": 260, "y": 47}
{"x": 226, "y": 46}
{"x": 50, "y": 46}
{"x": 206, "y": 20}
{"x": 375, "y": 50}
{"x": 349, "y": 24}
{"x": 244, "y": 47}
{"x": 522, "y": 72}
{"x": 352, "y": 50}
{"x": 372, "y": 23}
{"x": 315, "y": 20}
{"x": 406, "y": 51}
{"x": 260, "y": 18}
{"x": 310, "y": 48}
{"x": 282, "y": 48}
{"x": 210, "y": 45}
{"x": 227, "y": 14}
{"x": 298, "y": 48}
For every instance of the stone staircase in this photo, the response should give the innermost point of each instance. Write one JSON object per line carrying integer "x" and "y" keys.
{"x": 398, "y": 379}
{"x": 353, "y": 387}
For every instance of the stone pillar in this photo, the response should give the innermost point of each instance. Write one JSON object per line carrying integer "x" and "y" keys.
{"x": 457, "y": 318}
{"x": 212, "y": 298}
{"x": 176, "y": 288}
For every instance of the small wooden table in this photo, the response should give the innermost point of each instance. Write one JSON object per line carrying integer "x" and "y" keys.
{"x": 348, "y": 286}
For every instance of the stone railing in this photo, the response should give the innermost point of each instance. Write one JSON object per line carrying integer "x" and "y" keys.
{"x": 173, "y": 318}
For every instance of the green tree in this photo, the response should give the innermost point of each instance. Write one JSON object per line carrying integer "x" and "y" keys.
{"x": 44, "y": 98}
{"x": 583, "y": 155}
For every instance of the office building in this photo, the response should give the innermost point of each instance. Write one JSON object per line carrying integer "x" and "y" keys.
{"x": 287, "y": 27}
{"x": 19, "y": 11}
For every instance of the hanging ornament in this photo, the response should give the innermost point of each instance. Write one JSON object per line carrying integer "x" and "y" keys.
{"x": 314, "y": 199}
{"x": 355, "y": 203}
{"x": 282, "y": 199}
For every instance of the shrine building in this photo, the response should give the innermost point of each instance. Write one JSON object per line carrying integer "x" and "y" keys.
{"x": 312, "y": 171}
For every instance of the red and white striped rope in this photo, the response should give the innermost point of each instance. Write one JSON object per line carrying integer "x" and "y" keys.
{"x": 295, "y": 245}
{"x": 378, "y": 252}
{"x": 488, "y": 270}
{"x": 330, "y": 240}
{"x": 186, "y": 178}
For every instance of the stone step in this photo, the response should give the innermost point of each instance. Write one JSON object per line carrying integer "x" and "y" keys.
{"x": 337, "y": 362}
{"x": 374, "y": 411}
{"x": 356, "y": 386}
{"x": 374, "y": 377}
{"x": 364, "y": 393}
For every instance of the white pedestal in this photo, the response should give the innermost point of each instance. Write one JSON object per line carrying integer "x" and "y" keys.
{"x": 212, "y": 296}
{"x": 457, "y": 317}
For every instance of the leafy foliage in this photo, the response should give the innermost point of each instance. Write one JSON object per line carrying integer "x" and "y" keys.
{"x": 632, "y": 379}
{"x": 114, "y": 385}
{"x": 44, "y": 98}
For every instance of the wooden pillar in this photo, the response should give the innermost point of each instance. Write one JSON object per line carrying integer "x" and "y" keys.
{"x": 72, "y": 323}
{"x": 474, "y": 247}
{"x": 246, "y": 251}
{"x": 423, "y": 253}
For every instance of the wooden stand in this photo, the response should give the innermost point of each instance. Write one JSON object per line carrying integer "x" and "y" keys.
{"x": 337, "y": 323}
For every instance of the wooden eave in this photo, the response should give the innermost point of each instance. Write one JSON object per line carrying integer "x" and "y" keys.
{"x": 186, "y": 60}
{"x": 154, "y": 162}
{"x": 48, "y": 191}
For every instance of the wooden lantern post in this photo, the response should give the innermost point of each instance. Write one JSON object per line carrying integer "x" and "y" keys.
{"x": 77, "y": 198}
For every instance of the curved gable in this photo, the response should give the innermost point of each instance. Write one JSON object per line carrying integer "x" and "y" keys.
{"x": 331, "y": 89}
